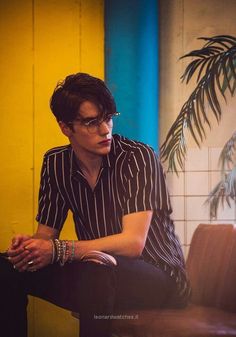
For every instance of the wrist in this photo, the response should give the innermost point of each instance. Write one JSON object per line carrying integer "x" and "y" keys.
{"x": 63, "y": 251}
{"x": 81, "y": 248}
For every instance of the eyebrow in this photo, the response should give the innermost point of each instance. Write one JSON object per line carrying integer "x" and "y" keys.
{"x": 85, "y": 118}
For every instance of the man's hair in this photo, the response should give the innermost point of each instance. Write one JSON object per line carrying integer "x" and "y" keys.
{"x": 70, "y": 93}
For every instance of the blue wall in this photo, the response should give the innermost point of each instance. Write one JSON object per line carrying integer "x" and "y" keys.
{"x": 131, "y": 66}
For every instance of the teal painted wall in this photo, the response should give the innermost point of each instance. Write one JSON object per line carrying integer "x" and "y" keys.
{"x": 131, "y": 66}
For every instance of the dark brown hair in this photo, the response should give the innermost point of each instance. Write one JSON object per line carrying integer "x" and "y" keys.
{"x": 74, "y": 90}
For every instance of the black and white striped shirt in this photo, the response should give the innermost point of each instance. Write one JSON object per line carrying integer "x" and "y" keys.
{"x": 131, "y": 180}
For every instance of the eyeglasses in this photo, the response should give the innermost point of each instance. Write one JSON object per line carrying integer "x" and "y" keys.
{"x": 92, "y": 124}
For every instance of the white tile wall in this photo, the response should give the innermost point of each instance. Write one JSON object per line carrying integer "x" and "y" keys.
{"x": 197, "y": 159}
{"x": 186, "y": 251}
{"x": 178, "y": 207}
{"x": 191, "y": 226}
{"x": 214, "y": 154}
{"x": 197, "y": 183}
{"x": 215, "y": 177}
{"x": 180, "y": 231}
{"x": 225, "y": 212}
{"x": 175, "y": 183}
{"x": 189, "y": 192}
{"x": 196, "y": 209}
{"x": 224, "y": 222}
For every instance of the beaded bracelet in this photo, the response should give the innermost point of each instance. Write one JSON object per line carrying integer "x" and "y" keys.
{"x": 53, "y": 251}
{"x": 63, "y": 256}
{"x": 72, "y": 256}
{"x": 61, "y": 251}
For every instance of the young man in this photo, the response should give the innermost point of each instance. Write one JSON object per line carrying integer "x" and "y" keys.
{"x": 116, "y": 191}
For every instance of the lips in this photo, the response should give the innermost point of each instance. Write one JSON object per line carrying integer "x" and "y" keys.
{"x": 106, "y": 141}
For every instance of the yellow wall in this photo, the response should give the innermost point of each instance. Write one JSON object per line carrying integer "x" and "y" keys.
{"x": 41, "y": 42}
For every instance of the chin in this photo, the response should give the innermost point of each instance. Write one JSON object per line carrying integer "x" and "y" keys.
{"x": 104, "y": 151}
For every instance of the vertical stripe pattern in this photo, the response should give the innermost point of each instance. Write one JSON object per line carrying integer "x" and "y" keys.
{"x": 131, "y": 180}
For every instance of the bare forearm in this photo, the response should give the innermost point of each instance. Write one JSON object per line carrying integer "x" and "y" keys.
{"x": 130, "y": 242}
{"x": 43, "y": 236}
{"x": 46, "y": 233}
{"x": 118, "y": 244}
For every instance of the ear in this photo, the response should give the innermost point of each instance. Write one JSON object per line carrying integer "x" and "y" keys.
{"x": 66, "y": 130}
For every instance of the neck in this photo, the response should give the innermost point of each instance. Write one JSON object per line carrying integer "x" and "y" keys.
{"x": 89, "y": 164}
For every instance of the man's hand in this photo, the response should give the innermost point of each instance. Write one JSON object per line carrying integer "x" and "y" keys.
{"x": 18, "y": 239}
{"x": 16, "y": 249}
{"x": 31, "y": 254}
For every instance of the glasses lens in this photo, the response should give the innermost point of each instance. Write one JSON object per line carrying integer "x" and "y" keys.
{"x": 94, "y": 124}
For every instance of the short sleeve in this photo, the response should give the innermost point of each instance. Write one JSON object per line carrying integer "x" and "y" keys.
{"x": 52, "y": 207}
{"x": 146, "y": 187}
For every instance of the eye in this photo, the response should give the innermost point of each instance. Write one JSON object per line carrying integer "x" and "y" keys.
{"x": 108, "y": 118}
{"x": 91, "y": 122}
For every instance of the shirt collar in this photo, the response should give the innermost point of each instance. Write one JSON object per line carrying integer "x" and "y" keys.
{"x": 108, "y": 160}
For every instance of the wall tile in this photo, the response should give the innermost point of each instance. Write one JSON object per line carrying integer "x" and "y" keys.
{"x": 197, "y": 183}
{"x": 178, "y": 208}
{"x": 186, "y": 251}
{"x": 226, "y": 213}
{"x": 214, "y": 154}
{"x": 224, "y": 222}
{"x": 175, "y": 183}
{"x": 197, "y": 159}
{"x": 179, "y": 229}
{"x": 191, "y": 227}
{"x": 196, "y": 210}
{"x": 214, "y": 178}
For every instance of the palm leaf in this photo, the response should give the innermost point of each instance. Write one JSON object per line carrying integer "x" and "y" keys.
{"x": 228, "y": 154}
{"x": 215, "y": 67}
{"x": 224, "y": 191}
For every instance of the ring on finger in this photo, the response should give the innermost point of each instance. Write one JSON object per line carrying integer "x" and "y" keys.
{"x": 26, "y": 248}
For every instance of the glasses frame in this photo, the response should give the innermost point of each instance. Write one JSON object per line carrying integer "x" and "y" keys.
{"x": 93, "y": 124}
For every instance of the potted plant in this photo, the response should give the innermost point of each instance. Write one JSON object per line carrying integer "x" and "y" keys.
{"x": 214, "y": 67}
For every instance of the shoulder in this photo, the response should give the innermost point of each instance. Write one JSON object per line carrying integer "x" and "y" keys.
{"x": 132, "y": 146}
{"x": 57, "y": 159}
{"x": 57, "y": 151}
{"x": 139, "y": 156}
{"x": 135, "y": 149}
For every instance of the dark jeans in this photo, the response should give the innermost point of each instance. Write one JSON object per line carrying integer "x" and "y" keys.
{"x": 85, "y": 287}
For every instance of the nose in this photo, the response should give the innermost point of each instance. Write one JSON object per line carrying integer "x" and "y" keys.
{"x": 105, "y": 128}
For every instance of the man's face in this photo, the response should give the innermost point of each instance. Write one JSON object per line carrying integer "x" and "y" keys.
{"x": 88, "y": 137}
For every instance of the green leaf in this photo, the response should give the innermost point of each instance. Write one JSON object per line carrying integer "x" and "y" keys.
{"x": 215, "y": 68}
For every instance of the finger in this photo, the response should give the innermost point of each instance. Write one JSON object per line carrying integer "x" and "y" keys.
{"x": 13, "y": 251}
{"x": 19, "y": 258}
{"x": 29, "y": 260}
{"x": 23, "y": 247}
{"x": 19, "y": 239}
{"x": 23, "y": 263}
{"x": 15, "y": 241}
{"x": 34, "y": 265}
{"x": 17, "y": 252}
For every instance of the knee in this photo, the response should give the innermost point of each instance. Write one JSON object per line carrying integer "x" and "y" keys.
{"x": 99, "y": 276}
{"x": 98, "y": 286}
{"x": 9, "y": 277}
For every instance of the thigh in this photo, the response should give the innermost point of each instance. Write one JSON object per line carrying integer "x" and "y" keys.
{"x": 142, "y": 285}
{"x": 11, "y": 283}
{"x": 73, "y": 286}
